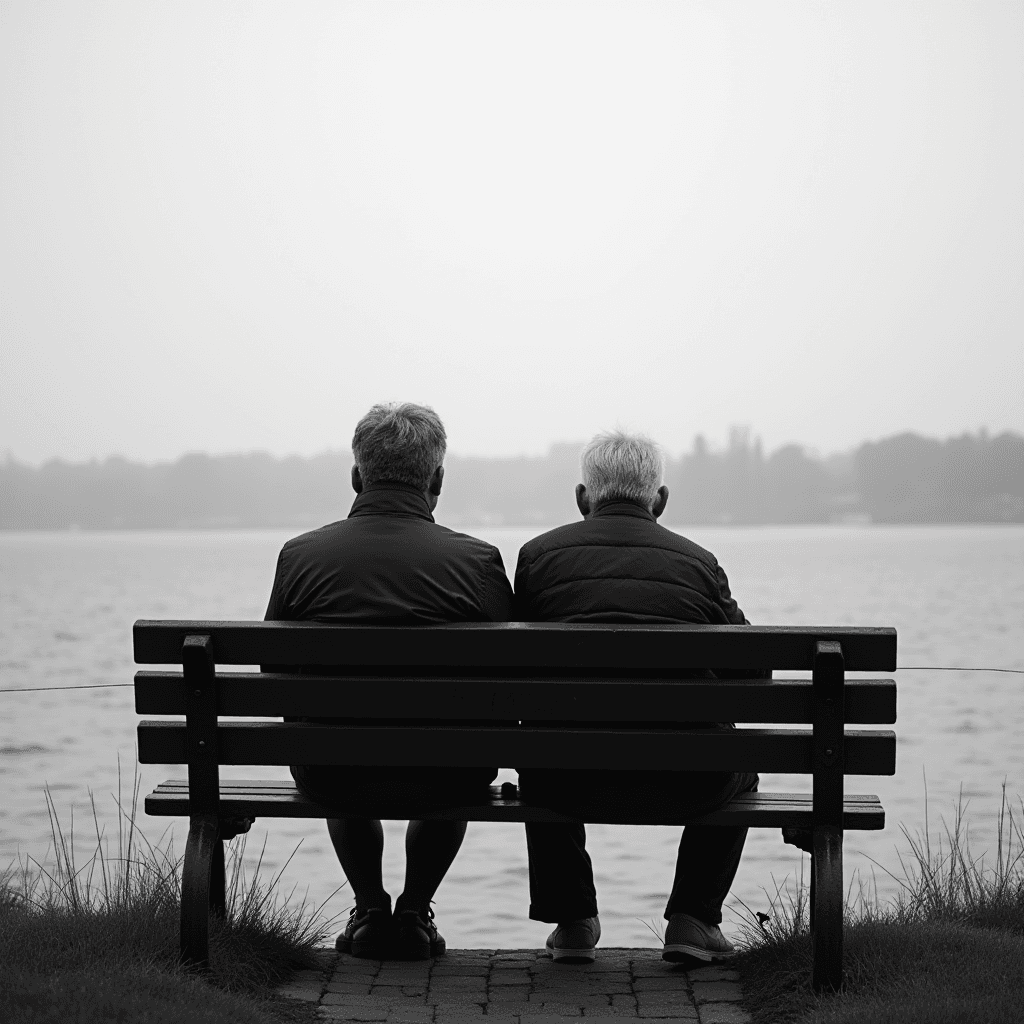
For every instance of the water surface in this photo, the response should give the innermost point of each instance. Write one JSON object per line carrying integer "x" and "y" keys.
{"x": 955, "y": 594}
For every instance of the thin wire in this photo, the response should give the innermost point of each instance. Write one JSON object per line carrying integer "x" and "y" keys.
{"x": 899, "y": 668}
{"x": 957, "y": 668}
{"x": 91, "y": 686}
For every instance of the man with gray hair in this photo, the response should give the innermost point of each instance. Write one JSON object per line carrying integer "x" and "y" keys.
{"x": 620, "y": 565}
{"x": 389, "y": 563}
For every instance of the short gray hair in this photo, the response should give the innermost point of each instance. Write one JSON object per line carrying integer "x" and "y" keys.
{"x": 399, "y": 443}
{"x": 624, "y": 467}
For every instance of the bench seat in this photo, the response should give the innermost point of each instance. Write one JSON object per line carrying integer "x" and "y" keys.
{"x": 244, "y": 798}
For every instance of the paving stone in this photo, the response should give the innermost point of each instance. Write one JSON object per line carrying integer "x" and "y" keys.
{"x": 509, "y": 994}
{"x": 663, "y": 983}
{"x": 461, "y": 971}
{"x": 355, "y": 989}
{"x": 625, "y": 1001}
{"x": 501, "y": 1017}
{"x": 558, "y": 1009}
{"x": 604, "y": 1012}
{"x": 724, "y": 1013}
{"x": 547, "y": 1018}
{"x": 353, "y": 1014}
{"x": 358, "y": 962}
{"x": 352, "y": 999}
{"x": 449, "y": 1010}
{"x": 713, "y": 974}
{"x": 717, "y": 992}
{"x": 401, "y": 999}
{"x": 412, "y": 1015}
{"x": 506, "y": 977}
{"x": 687, "y": 1013}
{"x": 570, "y": 996}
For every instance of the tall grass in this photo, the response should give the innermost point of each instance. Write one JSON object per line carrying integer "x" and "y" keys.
{"x": 121, "y": 904}
{"x": 939, "y": 880}
{"x": 949, "y": 947}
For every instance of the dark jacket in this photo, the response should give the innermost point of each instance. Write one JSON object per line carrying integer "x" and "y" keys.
{"x": 619, "y": 565}
{"x": 389, "y": 564}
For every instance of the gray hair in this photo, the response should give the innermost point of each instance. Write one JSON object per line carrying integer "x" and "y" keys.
{"x": 624, "y": 467}
{"x": 399, "y": 443}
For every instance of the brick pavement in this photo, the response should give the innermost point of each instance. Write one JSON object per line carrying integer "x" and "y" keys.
{"x": 519, "y": 986}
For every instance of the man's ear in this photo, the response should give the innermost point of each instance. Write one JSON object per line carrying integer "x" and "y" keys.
{"x": 660, "y": 501}
{"x": 357, "y": 480}
{"x": 434, "y": 487}
{"x": 582, "y": 500}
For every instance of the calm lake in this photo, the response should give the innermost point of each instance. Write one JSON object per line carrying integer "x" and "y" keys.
{"x": 955, "y": 594}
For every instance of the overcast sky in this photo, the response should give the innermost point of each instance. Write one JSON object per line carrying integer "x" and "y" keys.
{"x": 235, "y": 226}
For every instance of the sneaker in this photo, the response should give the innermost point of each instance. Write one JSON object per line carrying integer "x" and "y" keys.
{"x": 687, "y": 938}
{"x": 368, "y": 934}
{"x": 416, "y": 937}
{"x": 573, "y": 942}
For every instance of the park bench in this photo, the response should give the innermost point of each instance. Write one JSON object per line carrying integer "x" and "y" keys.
{"x": 565, "y": 682}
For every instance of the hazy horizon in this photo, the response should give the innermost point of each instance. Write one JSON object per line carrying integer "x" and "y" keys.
{"x": 714, "y": 445}
{"x": 235, "y": 227}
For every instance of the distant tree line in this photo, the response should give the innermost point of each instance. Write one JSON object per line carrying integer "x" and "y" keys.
{"x": 902, "y": 479}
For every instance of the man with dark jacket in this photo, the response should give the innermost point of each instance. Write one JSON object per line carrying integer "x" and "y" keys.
{"x": 389, "y": 563}
{"x": 619, "y": 565}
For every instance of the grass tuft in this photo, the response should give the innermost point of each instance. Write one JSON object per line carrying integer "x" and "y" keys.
{"x": 948, "y": 949}
{"x": 114, "y": 917}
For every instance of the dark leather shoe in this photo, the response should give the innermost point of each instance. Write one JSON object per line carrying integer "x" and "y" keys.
{"x": 368, "y": 934}
{"x": 416, "y": 938}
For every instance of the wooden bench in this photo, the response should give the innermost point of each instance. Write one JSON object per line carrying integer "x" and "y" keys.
{"x": 586, "y": 675}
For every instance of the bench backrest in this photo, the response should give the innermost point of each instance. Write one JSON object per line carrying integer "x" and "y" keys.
{"x": 554, "y": 695}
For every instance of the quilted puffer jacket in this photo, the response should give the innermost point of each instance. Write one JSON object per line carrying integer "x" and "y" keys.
{"x": 619, "y": 565}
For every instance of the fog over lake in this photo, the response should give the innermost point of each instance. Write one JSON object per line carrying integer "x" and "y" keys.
{"x": 954, "y": 593}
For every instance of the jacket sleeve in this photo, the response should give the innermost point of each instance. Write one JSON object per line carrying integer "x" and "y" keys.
{"x": 277, "y": 610}
{"x": 727, "y": 602}
{"x": 496, "y": 602}
{"x": 521, "y": 611}
{"x": 734, "y": 615}
{"x": 277, "y": 606}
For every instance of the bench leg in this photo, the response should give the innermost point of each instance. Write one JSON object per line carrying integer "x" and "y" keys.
{"x": 827, "y": 909}
{"x": 200, "y": 851}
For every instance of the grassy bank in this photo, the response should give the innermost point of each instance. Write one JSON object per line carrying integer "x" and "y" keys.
{"x": 97, "y": 940}
{"x": 948, "y": 950}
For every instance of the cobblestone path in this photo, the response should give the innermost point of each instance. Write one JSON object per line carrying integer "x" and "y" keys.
{"x": 519, "y": 986}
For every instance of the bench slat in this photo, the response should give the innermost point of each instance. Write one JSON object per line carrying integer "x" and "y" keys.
{"x": 764, "y": 750}
{"x": 867, "y": 701}
{"x": 280, "y": 799}
{"x": 636, "y": 649}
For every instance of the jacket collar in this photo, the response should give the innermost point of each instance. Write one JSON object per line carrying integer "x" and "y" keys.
{"x": 618, "y": 507}
{"x": 391, "y": 499}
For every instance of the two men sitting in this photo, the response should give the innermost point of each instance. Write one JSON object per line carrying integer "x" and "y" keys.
{"x": 389, "y": 563}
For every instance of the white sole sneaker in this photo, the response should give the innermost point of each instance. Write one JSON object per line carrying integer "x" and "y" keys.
{"x": 679, "y": 951}
{"x": 584, "y": 955}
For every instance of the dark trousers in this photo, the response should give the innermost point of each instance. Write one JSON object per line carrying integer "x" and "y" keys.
{"x": 561, "y": 874}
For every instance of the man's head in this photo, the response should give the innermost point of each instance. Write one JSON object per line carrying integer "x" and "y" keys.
{"x": 622, "y": 467}
{"x": 400, "y": 443}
